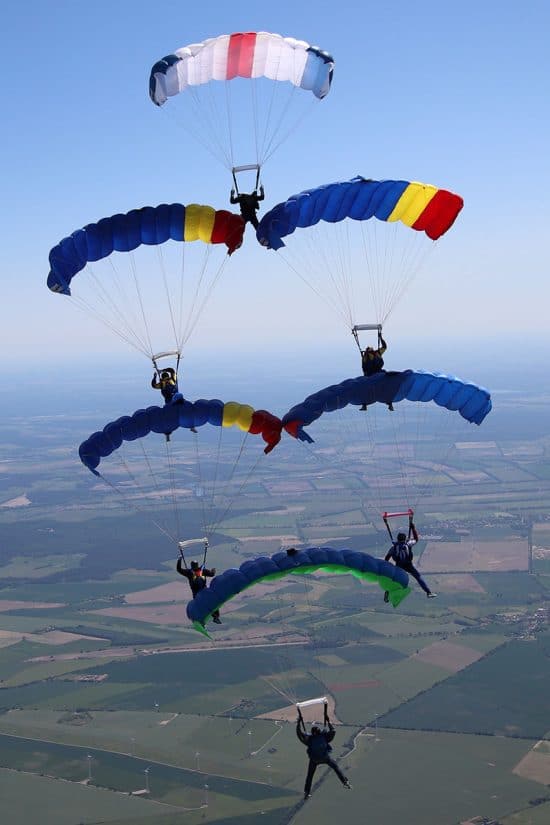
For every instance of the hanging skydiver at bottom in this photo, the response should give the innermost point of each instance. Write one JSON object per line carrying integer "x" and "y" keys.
{"x": 196, "y": 576}
{"x": 318, "y": 749}
{"x": 402, "y": 555}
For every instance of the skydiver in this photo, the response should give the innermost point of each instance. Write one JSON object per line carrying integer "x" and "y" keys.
{"x": 372, "y": 362}
{"x": 402, "y": 555}
{"x": 248, "y": 204}
{"x": 167, "y": 382}
{"x": 196, "y": 576}
{"x": 318, "y": 749}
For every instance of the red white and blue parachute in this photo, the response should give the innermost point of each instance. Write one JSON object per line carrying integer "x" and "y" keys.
{"x": 242, "y": 94}
{"x": 247, "y": 55}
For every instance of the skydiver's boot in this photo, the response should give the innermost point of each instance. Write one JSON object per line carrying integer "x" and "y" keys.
{"x": 390, "y": 407}
{"x": 387, "y": 596}
{"x": 363, "y": 408}
{"x": 347, "y": 785}
{"x": 431, "y": 595}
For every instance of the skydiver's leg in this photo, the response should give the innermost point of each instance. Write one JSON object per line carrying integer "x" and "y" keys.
{"x": 311, "y": 768}
{"x": 216, "y": 617}
{"x": 334, "y": 765}
{"x": 412, "y": 571}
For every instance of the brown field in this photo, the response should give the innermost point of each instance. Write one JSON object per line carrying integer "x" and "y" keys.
{"x": 165, "y": 615}
{"x": 535, "y": 766}
{"x": 281, "y": 487}
{"x": 479, "y": 447}
{"x": 282, "y": 538}
{"x": 367, "y": 683}
{"x": 331, "y": 660}
{"x": 6, "y": 604}
{"x": 170, "y": 592}
{"x": 461, "y": 476}
{"x": 60, "y": 637}
{"x": 53, "y": 637}
{"x": 448, "y": 655}
{"x": 456, "y": 583}
{"x": 19, "y": 501}
{"x": 469, "y": 554}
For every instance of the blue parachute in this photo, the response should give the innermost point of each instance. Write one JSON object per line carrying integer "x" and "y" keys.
{"x": 392, "y": 579}
{"x": 472, "y": 402}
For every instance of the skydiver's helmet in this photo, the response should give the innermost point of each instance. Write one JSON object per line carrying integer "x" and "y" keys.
{"x": 315, "y": 729}
{"x": 195, "y": 565}
{"x": 401, "y": 537}
{"x": 166, "y": 375}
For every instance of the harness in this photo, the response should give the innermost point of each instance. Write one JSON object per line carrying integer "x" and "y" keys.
{"x": 401, "y": 552}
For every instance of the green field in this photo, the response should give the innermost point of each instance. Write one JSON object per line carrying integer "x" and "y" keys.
{"x": 447, "y": 741}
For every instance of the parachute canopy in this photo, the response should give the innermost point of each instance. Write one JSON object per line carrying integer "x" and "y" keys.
{"x": 472, "y": 402}
{"x": 248, "y": 55}
{"x": 326, "y": 236}
{"x": 234, "y": 581}
{"x": 151, "y": 225}
{"x": 243, "y": 95}
{"x": 167, "y": 419}
{"x": 420, "y": 206}
{"x": 140, "y": 275}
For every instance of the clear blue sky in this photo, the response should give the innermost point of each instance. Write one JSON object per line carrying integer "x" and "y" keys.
{"x": 454, "y": 94}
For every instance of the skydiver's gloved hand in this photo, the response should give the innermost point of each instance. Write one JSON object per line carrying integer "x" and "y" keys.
{"x": 213, "y": 571}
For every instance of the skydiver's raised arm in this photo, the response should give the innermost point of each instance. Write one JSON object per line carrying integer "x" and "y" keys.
{"x": 303, "y": 737}
{"x": 182, "y": 570}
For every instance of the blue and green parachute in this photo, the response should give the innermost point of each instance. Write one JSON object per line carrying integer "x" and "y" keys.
{"x": 264, "y": 569}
